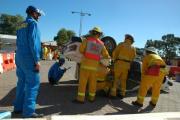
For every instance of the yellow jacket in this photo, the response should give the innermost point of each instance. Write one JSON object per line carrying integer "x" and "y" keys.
{"x": 124, "y": 51}
{"x": 89, "y": 63}
{"x": 150, "y": 60}
{"x": 45, "y": 50}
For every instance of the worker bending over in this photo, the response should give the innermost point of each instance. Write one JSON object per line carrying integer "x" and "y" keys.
{"x": 153, "y": 73}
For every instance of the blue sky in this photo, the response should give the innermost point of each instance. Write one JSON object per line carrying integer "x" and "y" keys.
{"x": 144, "y": 19}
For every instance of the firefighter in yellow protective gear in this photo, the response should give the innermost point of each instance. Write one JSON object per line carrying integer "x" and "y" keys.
{"x": 92, "y": 49}
{"x": 123, "y": 55}
{"x": 103, "y": 84}
{"x": 153, "y": 73}
{"x": 45, "y": 52}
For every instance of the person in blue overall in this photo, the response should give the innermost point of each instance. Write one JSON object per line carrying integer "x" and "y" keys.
{"x": 27, "y": 60}
{"x": 56, "y": 72}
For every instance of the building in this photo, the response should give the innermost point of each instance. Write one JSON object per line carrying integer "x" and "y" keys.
{"x": 176, "y": 61}
{"x": 7, "y": 43}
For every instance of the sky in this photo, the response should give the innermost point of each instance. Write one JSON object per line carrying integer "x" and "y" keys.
{"x": 144, "y": 19}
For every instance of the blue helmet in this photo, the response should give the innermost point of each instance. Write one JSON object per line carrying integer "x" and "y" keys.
{"x": 34, "y": 9}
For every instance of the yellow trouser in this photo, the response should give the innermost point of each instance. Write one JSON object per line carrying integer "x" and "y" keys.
{"x": 120, "y": 76}
{"x": 148, "y": 81}
{"x": 45, "y": 55}
{"x": 87, "y": 76}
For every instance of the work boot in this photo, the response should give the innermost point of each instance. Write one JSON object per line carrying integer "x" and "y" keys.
{"x": 35, "y": 115}
{"x": 56, "y": 84}
{"x": 152, "y": 104}
{"x": 17, "y": 112}
{"x": 77, "y": 101}
{"x": 120, "y": 96}
{"x": 135, "y": 103}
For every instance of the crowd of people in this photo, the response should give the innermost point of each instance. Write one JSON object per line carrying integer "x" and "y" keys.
{"x": 49, "y": 54}
{"x": 28, "y": 56}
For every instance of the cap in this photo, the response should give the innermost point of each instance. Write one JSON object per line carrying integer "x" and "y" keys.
{"x": 128, "y": 36}
{"x": 61, "y": 61}
{"x": 34, "y": 9}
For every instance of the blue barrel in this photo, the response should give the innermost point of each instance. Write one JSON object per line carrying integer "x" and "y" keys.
{"x": 5, "y": 115}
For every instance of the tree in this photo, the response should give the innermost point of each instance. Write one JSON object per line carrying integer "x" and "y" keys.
{"x": 167, "y": 47}
{"x": 70, "y": 33}
{"x": 63, "y": 36}
{"x": 9, "y": 23}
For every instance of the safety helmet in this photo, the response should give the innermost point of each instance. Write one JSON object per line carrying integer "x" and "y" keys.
{"x": 96, "y": 29}
{"x": 128, "y": 36}
{"x": 61, "y": 61}
{"x": 34, "y": 9}
{"x": 151, "y": 49}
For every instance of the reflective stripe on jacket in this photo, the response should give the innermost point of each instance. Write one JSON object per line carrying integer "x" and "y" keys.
{"x": 88, "y": 67}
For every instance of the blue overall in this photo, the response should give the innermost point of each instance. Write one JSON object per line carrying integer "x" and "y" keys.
{"x": 55, "y": 72}
{"x": 27, "y": 54}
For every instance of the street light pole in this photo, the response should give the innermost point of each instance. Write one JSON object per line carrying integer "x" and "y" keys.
{"x": 81, "y": 18}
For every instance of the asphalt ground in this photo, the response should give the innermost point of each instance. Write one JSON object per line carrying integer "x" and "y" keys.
{"x": 57, "y": 100}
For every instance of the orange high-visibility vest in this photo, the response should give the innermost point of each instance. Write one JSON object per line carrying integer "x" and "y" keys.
{"x": 93, "y": 49}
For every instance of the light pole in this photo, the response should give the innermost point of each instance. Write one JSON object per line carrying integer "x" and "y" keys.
{"x": 81, "y": 17}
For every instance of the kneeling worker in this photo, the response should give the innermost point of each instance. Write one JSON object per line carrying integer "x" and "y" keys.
{"x": 103, "y": 84}
{"x": 56, "y": 72}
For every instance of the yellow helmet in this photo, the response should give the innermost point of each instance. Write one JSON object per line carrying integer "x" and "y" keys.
{"x": 97, "y": 29}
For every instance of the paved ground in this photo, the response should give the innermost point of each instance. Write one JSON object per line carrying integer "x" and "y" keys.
{"x": 58, "y": 99}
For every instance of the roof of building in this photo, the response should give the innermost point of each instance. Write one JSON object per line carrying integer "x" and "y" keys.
{"x": 7, "y": 36}
{"x": 52, "y": 43}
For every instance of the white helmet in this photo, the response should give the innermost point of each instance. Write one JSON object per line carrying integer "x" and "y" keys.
{"x": 151, "y": 49}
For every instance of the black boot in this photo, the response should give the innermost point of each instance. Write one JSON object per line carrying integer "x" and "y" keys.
{"x": 120, "y": 96}
{"x": 135, "y": 103}
{"x": 152, "y": 104}
{"x": 17, "y": 112}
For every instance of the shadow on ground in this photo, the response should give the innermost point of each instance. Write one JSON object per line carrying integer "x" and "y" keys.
{"x": 58, "y": 100}
{"x": 124, "y": 108}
